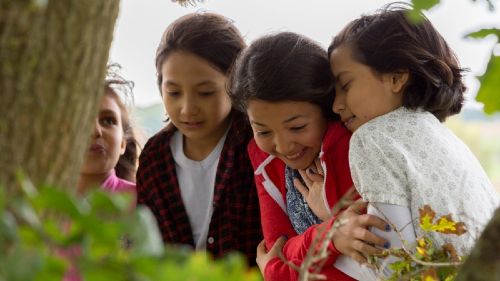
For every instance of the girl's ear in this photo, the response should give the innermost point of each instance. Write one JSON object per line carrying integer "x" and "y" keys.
{"x": 398, "y": 81}
{"x": 123, "y": 146}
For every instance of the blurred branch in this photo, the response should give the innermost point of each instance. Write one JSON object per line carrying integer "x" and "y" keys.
{"x": 185, "y": 3}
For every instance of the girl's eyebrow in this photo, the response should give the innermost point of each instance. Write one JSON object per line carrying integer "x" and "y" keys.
{"x": 293, "y": 118}
{"x": 107, "y": 112}
{"x": 202, "y": 83}
{"x": 257, "y": 123}
{"x": 170, "y": 83}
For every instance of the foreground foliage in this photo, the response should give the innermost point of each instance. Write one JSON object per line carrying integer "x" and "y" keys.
{"x": 113, "y": 241}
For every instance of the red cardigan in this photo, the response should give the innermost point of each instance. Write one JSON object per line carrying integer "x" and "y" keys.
{"x": 270, "y": 182}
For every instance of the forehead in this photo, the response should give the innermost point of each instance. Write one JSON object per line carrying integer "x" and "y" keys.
{"x": 341, "y": 59}
{"x": 187, "y": 68}
{"x": 267, "y": 112}
{"x": 109, "y": 103}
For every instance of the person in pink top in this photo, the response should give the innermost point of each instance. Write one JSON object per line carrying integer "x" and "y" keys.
{"x": 111, "y": 159}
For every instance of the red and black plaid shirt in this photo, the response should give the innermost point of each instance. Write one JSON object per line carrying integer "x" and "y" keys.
{"x": 235, "y": 223}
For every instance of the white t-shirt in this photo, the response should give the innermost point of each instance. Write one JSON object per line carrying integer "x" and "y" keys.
{"x": 408, "y": 158}
{"x": 196, "y": 182}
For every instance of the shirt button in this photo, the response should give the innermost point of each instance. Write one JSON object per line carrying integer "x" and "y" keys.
{"x": 210, "y": 240}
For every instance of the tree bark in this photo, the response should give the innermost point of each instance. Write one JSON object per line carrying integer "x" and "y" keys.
{"x": 483, "y": 264}
{"x": 53, "y": 56}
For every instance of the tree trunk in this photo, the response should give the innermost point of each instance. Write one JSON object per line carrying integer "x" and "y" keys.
{"x": 53, "y": 56}
{"x": 483, "y": 264}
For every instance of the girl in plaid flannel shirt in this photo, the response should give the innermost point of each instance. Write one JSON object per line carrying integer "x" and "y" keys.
{"x": 194, "y": 174}
{"x": 283, "y": 82}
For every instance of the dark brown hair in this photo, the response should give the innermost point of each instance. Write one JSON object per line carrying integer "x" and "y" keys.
{"x": 281, "y": 67}
{"x": 207, "y": 35}
{"x": 389, "y": 42}
{"x": 121, "y": 91}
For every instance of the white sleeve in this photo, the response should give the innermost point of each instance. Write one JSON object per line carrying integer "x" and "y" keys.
{"x": 400, "y": 217}
{"x": 379, "y": 165}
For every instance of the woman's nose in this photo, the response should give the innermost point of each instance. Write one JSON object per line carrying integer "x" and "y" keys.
{"x": 283, "y": 146}
{"x": 338, "y": 104}
{"x": 189, "y": 107}
{"x": 97, "y": 129}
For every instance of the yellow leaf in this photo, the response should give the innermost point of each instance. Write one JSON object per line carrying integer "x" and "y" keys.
{"x": 422, "y": 251}
{"x": 426, "y": 223}
{"x": 427, "y": 216}
{"x": 427, "y": 210}
{"x": 446, "y": 224}
{"x": 421, "y": 242}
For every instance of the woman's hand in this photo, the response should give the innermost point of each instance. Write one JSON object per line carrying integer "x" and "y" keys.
{"x": 312, "y": 191}
{"x": 353, "y": 238}
{"x": 263, "y": 257}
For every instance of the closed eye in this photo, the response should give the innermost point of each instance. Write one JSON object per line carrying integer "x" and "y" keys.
{"x": 298, "y": 128}
{"x": 263, "y": 133}
{"x": 206, "y": 94}
{"x": 173, "y": 93}
{"x": 345, "y": 87}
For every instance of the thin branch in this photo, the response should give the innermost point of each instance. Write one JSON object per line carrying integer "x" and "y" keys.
{"x": 407, "y": 251}
{"x": 319, "y": 256}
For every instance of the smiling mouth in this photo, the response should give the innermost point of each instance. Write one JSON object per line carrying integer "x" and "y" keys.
{"x": 348, "y": 121}
{"x": 296, "y": 155}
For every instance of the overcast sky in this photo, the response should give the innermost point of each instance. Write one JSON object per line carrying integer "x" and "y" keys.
{"x": 142, "y": 22}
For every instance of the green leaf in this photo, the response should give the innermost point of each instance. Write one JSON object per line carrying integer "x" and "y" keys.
{"x": 57, "y": 200}
{"x": 26, "y": 185}
{"x": 424, "y": 4}
{"x": 53, "y": 269}
{"x": 103, "y": 204}
{"x": 482, "y": 33}
{"x": 8, "y": 228}
{"x": 419, "y": 6}
{"x": 19, "y": 261}
{"x": 400, "y": 267}
{"x": 26, "y": 212}
{"x": 145, "y": 234}
{"x": 489, "y": 91}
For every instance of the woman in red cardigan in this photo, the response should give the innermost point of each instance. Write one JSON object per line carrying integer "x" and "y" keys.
{"x": 284, "y": 84}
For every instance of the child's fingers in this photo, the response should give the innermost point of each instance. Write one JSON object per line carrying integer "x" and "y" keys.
{"x": 261, "y": 248}
{"x": 358, "y": 257}
{"x": 278, "y": 246}
{"x": 305, "y": 178}
{"x": 301, "y": 188}
{"x": 319, "y": 168}
{"x": 374, "y": 221}
{"x": 365, "y": 249}
{"x": 315, "y": 177}
{"x": 366, "y": 238}
{"x": 358, "y": 207}
{"x": 350, "y": 194}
